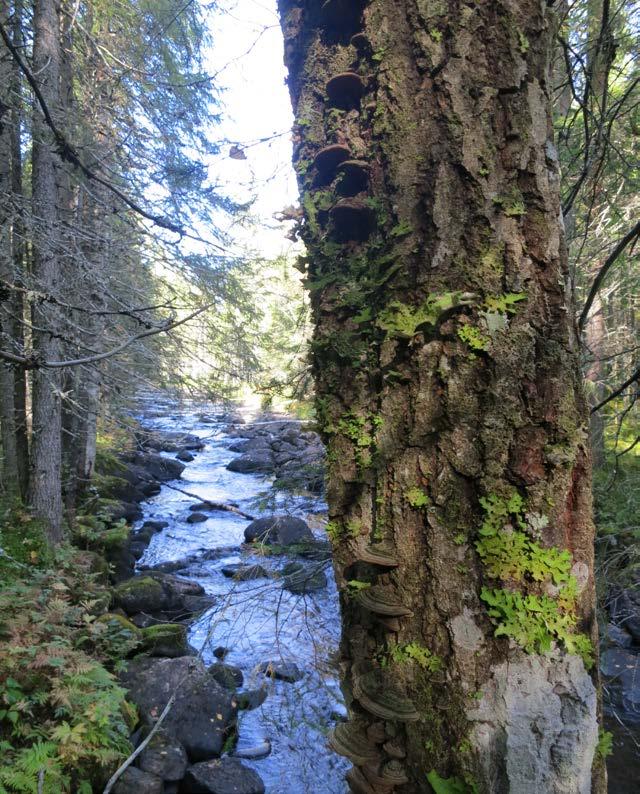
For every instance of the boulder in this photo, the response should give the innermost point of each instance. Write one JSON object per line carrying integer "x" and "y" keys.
{"x": 166, "y": 639}
{"x": 134, "y": 779}
{"x": 171, "y": 441}
{"x": 196, "y": 518}
{"x": 164, "y": 756}
{"x": 259, "y": 462}
{"x": 116, "y": 511}
{"x": 159, "y": 467}
{"x": 243, "y": 573}
{"x": 282, "y": 671}
{"x": 155, "y": 526}
{"x": 156, "y": 592}
{"x": 251, "y": 698}
{"x": 185, "y": 457}
{"x": 227, "y": 675}
{"x": 140, "y": 594}
{"x": 226, "y": 776}
{"x": 279, "y": 531}
{"x": 203, "y": 712}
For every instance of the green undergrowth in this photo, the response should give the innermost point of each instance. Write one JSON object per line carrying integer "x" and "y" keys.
{"x": 537, "y": 604}
{"x": 64, "y": 721}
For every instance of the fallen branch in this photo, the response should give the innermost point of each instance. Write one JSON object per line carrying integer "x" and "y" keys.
{"x": 211, "y": 505}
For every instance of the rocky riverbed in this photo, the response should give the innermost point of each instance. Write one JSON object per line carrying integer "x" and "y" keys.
{"x": 227, "y": 584}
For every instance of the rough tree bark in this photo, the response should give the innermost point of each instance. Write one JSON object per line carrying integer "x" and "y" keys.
{"x": 10, "y": 478}
{"x": 46, "y": 455}
{"x": 448, "y": 392}
{"x": 19, "y": 251}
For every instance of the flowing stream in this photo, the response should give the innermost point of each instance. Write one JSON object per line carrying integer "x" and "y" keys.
{"x": 256, "y": 620}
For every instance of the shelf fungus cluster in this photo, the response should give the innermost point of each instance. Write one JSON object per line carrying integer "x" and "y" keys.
{"x": 351, "y": 218}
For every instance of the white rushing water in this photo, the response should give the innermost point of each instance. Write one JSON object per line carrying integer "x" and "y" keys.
{"x": 256, "y": 620}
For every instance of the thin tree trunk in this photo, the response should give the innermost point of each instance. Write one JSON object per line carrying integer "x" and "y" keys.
{"x": 595, "y": 335}
{"x": 46, "y": 491}
{"x": 10, "y": 479}
{"x": 449, "y": 394}
{"x": 19, "y": 264}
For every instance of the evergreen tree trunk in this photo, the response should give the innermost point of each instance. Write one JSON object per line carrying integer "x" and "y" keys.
{"x": 449, "y": 394}
{"x": 46, "y": 491}
{"x": 18, "y": 253}
{"x": 10, "y": 479}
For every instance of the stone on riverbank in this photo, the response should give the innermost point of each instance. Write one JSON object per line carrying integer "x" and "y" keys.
{"x": 203, "y": 712}
{"x": 134, "y": 779}
{"x": 278, "y": 531}
{"x": 243, "y": 573}
{"x": 282, "y": 671}
{"x": 168, "y": 640}
{"x": 196, "y": 518}
{"x": 157, "y": 593}
{"x": 164, "y": 756}
{"x": 227, "y": 675}
{"x": 226, "y": 776}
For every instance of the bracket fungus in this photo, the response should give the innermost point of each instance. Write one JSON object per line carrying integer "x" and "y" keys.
{"x": 379, "y": 554}
{"x": 394, "y": 773}
{"x": 381, "y": 601}
{"x": 358, "y": 783}
{"x": 342, "y": 16}
{"x": 394, "y": 749}
{"x": 348, "y": 739}
{"x": 345, "y": 90}
{"x": 352, "y": 220}
{"x": 376, "y": 732}
{"x": 360, "y": 41}
{"x": 328, "y": 159}
{"x": 378, "y": 697}
{"x": 390, "y": 624}
{"x": 354, "y": 177}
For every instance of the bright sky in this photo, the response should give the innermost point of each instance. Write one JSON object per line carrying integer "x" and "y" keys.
{"x": 247, "y": 53}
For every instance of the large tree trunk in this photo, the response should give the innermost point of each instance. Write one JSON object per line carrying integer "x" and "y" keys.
{"x": 448, "y": 392}
{"x": 46, "y": 491}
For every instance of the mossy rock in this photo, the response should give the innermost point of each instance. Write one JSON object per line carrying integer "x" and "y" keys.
{"x": 166, "y": 639}
{"x": 140, "y": 594}
{"x": 120, "y": 623}
{"x": 115, "y": 538}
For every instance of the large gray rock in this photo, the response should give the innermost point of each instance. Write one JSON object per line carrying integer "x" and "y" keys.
{"x": 226, "y": 776}
{"x": 203, "y": 712}
{"x": 282, "y": 671}
{"x": 278, "y": 531}
{"x": 134, "y": 779}
{"x": 260, "y": 462}
{"x": 156, "y": 592}
{"x": 164, "y": 756}
{"x": 227, "y": 675}
{"x": 169, "y": 441}
{"x": 157, "y": 466}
